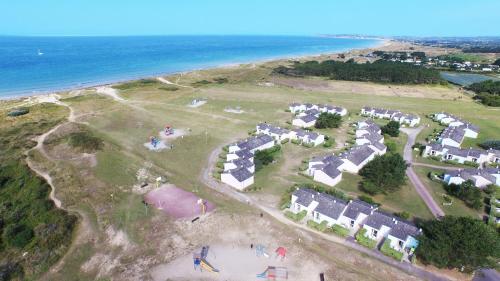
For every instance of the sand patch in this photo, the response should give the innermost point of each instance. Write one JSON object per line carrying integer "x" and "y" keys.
{"x": 235, "y": 262}
{"x": 113, "y": 93}
{"x": 176, "y": 202}
{"x": 177, "y": 133}
{"x": 197, "y": 103}
{"x": 236, "y": 110}
{"x": 161, "y": 145}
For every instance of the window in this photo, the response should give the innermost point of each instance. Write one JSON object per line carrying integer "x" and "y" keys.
{"x": 474, "y": 160}
{"x": 401, "y": 243}
{"x": 352, "y": 223}
{"x": 317, "y": 215}
{"x": 433, "y": 152}
{"x": 297, "y": 207}
{"x": 374, "y": 233}
{"x": 450, "y": 156}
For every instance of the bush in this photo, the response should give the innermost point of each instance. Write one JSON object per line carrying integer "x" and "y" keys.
{"x": 169, "y": 88}
{"x": 390, "y": 252}
{"x": 265, "y": 157}
{"x": 368, "y": 200}
{"x": 285, "y": 141}
{"x": 136, "y": 84}
{"x": 18, "y": 112}
{"x": 340, "y": 230}
{"x": 295, "y": 141}
{"x": 85, "y": 141}
{"x": 472, "y": 164}
{"x": 365, "y": 241}
{"x": 296, "y": 217}
{"x": 404, "y": 215}
{"x": 308, "y": 145}
{"x": 328, "y": 143}
{"x": 466, "y": 192}
{"x": 18, "y": 235}
{"x": 494, "y": 144}
{"x": 323, "y": 226}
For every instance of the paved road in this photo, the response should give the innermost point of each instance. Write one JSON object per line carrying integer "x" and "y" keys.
{"x": 486, "y": 275}
{"x": 206, "y": 177}
{"x": 415, "y": 180}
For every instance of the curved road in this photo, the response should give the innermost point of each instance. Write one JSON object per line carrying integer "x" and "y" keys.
{"x": 415, "y": 180}
{"x": 207, "y": 178}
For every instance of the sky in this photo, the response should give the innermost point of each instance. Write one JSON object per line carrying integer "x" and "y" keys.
{"x": 251, "y": 17}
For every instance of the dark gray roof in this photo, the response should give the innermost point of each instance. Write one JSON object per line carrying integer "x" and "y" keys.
{"x": 254, "y": 142}
{"x": 312, "y": 112}
{"x": 372, "y": 137}
{"x": 308, "y": 118}
{"x": 476, "y": 153}
{"x": 245, "y": 154}
{"x": 379, "y": 146}
{"x": 455, "y": 133}
{"x": 331, "y": 170}
{"x": 356, "y": 207}
{"x": 377, "y": 219}
{"x": 241, "y": 174}
{"x": 330, "y": 206}
{"x": 469, "y": 126}
{"x": 403, "y": 229}
{"x": 304, "y": 196}
{"x": 241, "y": 162}
{"x": 357, "y": 154}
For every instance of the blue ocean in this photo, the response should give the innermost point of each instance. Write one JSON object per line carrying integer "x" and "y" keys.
{"x": 33, "y": 65}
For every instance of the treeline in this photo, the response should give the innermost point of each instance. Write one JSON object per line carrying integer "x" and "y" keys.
{"x": 379, "y": 71}
{"x": 484, "y": 49}
{"x": 488, "y": 92}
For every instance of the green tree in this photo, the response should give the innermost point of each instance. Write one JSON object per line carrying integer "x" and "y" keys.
{"x": 467, "y": 192}
{"x": 456, "y": 242}
{"x": 391, "y": 129}
{"x": 384, "y": 174}
{"x": 328, "y": 120}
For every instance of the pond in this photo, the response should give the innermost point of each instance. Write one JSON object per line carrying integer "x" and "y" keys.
{"x": 465, "y": 79}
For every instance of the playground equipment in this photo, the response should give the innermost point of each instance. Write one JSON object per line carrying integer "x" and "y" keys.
{"x": 203, "y": 205}
{"x": 200, "y": 261}
{"x": 154, "y": 141}
{"x": 274, "y": 273}
{"x": 168, "y": 130}
{"x": 260, "y": 251}
{"x": 281, "y": 252}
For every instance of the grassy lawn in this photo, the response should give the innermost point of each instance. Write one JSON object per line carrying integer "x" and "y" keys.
{"x": 390, "y": 252}
{"x": 457, "y": 208}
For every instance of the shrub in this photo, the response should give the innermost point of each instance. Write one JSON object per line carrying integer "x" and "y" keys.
{"x": 328, "y": 143}
{"x": 85, "y": 141}
{"x": 18, "y": 112}
{"x": 265, "y": 157}
{"x": 384, "y": 174}
{"x": 368, "y": 200}
{"x": 390, "y": 252}
{"x": 169, "y": 88}
{"x": 494, "y": 144}
{"x": 472, "y": 164}
{"x": 340, "y": 230}
{"x": 136, "y": 84}
{"x": 295, "y": 141}
{"x": 221, "y": 80}
{"x": 404, "y": 215}
{"x": 18, "y": 235}
{"x": 285, "y": 141}
{"x": 365, "y": 241}
{"x": 323, "y": 226}
{"x": 308, "y": 145}
{"x": 296, "y": 217}
{"x": 466, "y": 192}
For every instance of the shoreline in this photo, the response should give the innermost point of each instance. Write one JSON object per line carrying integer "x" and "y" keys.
{"x": 381, "y": 43}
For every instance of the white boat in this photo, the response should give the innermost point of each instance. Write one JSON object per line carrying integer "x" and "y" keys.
{"x": 39, "y": 52}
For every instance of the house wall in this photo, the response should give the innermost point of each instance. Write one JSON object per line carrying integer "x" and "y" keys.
{"x": 320, "y": 176}
{"x": 228, "y": 179}
{"x": 300, "y": 123}
{"x": 319, "y": 218}
{"x": 394, "y": 243}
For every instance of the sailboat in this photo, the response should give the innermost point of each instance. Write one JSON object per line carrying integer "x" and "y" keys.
{"x": 39, "y": 52}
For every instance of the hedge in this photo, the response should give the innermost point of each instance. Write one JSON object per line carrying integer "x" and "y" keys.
{"x": 295, "y": 217}
{"x": 390, "y": 252}
{"x": 340, "y": 230}
{"x": 365, "y": 241}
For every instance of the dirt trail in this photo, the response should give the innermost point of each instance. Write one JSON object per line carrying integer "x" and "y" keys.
{"x": 84, "y": 230}
{"x": 165, "y": 81}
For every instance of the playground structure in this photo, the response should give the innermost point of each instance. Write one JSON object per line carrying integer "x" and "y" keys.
{"x": 260, "y": 251}
{"x": 281, "y": 253}
{"x": 168, "y": 130}
{"x": 200, "y": 261}
{"x": 274, "y": 273}
{"x": 154, "y": 141}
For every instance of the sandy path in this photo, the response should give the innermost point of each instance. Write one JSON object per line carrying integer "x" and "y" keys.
{"x": 113, "y": 93}
{"x": 165, "y": 81}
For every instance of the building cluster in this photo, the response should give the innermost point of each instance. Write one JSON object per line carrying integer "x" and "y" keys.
{"x": 306, "y": 114}
{"x": 447, "y": 148}
{"x": 355, "y": 215}
{"x": 393, "y": 115}
{"x": 282, "y": 134}
{"x": 239, "y": 168}
{"x": 369, "y": 143}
